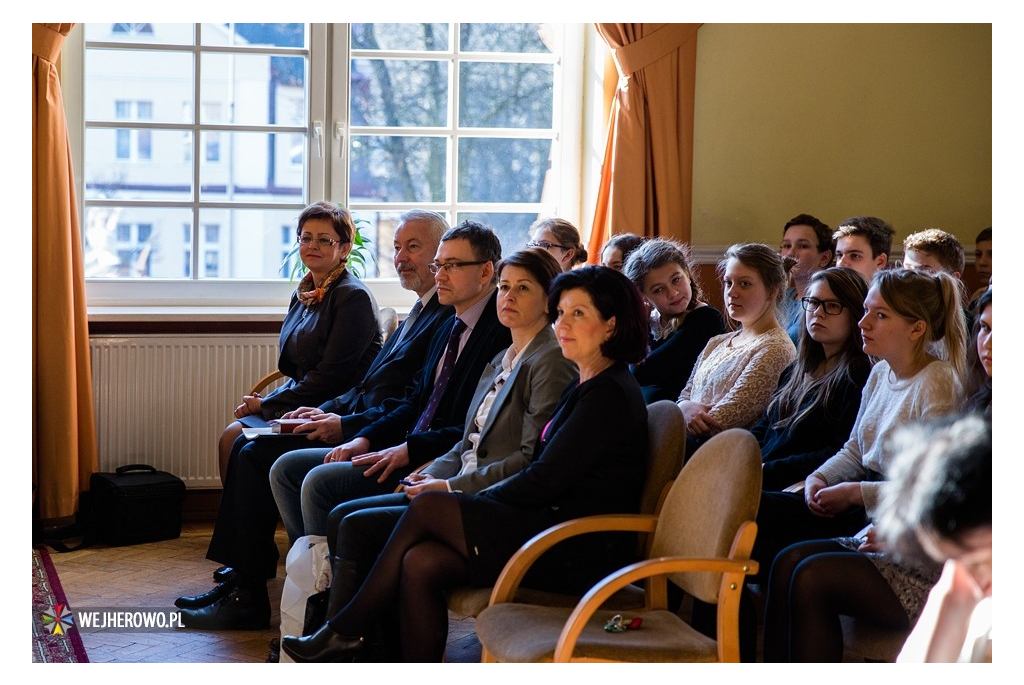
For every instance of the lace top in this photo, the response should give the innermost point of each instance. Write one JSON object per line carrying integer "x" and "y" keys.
{"x": 738, "y": 379}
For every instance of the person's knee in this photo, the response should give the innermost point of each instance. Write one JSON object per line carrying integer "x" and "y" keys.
{"x": 352, "y": 540}
{"x": 426, "y": 501}
{"x": 280, "y": 476}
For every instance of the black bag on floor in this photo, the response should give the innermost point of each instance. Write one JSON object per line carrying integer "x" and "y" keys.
{"x": 135, "y": 504}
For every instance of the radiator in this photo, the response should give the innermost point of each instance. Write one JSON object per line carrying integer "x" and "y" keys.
{"x": 164, "y": 400}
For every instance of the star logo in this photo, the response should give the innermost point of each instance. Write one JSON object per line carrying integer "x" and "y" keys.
{"x": 58, "y": 619}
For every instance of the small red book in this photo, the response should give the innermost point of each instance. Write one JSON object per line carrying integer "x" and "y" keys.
{"x": 286, "y": 425}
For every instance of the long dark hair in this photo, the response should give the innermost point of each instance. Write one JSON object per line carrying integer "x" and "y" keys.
{"x": 804, "y": 381}
{"x": 978, "y": 383}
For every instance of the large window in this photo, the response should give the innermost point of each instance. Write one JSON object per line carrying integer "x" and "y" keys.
{"x": 201, "y": 143}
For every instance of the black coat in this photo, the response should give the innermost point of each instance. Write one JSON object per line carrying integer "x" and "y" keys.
{"x": 591, "y": 459}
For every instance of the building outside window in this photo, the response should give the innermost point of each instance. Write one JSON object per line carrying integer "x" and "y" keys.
{"x": 465, "y": 119}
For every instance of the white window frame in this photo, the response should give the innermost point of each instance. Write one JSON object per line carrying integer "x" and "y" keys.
{"x": 327, "y": 177}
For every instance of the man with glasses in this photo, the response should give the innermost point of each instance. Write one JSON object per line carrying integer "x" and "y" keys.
{"x": 429, "y": 420}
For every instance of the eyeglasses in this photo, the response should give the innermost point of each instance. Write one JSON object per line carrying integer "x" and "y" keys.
{"x": 322, "y": 242}
{"x": 831, "y": 307}
{"x": 544, "y": 245}
{"x": 449, "y": 267}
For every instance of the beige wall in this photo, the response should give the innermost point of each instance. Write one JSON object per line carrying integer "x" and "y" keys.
{"x": 891, "y": 120}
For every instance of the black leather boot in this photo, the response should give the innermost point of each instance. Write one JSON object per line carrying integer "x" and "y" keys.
{"x": 323, "y": 646}
{"x": 346, "y": 580}
{"x": 244, "y": 608}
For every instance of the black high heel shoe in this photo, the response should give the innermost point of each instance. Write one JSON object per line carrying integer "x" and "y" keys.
{"x": 324, "y": 645}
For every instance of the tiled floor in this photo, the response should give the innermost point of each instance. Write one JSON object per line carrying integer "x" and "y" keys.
{"x": 153, "y": 575}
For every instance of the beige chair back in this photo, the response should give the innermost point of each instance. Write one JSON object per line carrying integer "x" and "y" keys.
{"x": 666, "y": 450}
{"x": 717, "y": 490}
{"x": 387, "y": 319}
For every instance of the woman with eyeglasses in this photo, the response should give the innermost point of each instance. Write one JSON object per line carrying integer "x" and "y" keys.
{"x": 914, "y": 326}
{"x": 330, "y": 334}
{"x": 561, "y": 239}
{"x": 813, "y": 410}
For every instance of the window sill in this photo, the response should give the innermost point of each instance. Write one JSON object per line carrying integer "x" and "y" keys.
{"x": 223, "y": 302}
{"x": 132, "y": 313}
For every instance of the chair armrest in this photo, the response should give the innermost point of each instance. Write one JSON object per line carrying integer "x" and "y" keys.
{"x": 265, "y": 381}
{"x": 660, "y": 566}
{"x": 399, "y": 487}
{"x": 795, "y": 487}
{"x": 516, "y": 567}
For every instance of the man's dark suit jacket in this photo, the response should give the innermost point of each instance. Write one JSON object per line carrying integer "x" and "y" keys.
{"x": 394, "y": 372}
{"x": 487, "y": 339}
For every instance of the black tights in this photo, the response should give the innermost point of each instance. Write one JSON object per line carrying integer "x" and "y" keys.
{"x": 811, "y": 585}
{"x": 425, "y": 556}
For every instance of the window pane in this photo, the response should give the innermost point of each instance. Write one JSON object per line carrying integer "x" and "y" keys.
{"x": 497, "y": 95}
{"x": 253, "y": 89}
{"x": 503, "y": 38}
{"x": 513, "y": 229}
{"x": 250, "y": 242}
{"x": 502, "y": 170}
{"x": 378, "y": 229}
{"x": 135, "y": 164}
{"x": 116, "y": 80}
{"x": 400, "y": 37}
{"x": 171, "y": 34}
{"x": 269, "y": 35}
{"x": 251, "y": 168}
{"x": 398, "y": 168}
{"x": 399, "y": 92}
{"x": 123, "y": 242}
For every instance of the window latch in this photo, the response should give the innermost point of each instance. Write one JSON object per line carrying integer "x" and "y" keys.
{"x": 318, "y": 136}
{"x": 339, "y": 135}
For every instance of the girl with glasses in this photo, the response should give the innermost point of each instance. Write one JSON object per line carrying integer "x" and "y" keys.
{"x": 812, "y": 413}
{"x": 561, "y": 239}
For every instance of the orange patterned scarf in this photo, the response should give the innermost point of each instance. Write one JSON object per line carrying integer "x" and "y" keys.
{"x": 308, "y": 295}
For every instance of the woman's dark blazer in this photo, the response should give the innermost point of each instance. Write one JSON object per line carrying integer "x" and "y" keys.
{"x": 591, "y": 459}
{"x": 663, "y": 374}
{"x": 326, "y": 349}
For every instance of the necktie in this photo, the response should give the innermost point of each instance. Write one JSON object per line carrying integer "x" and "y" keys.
{"x": 450, "y": 354}
{"x": 410, "y": 320}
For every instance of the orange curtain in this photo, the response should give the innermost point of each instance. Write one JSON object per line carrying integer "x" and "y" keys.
{"x": 647, "y": 173}
{"x": 63, "y": 432}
